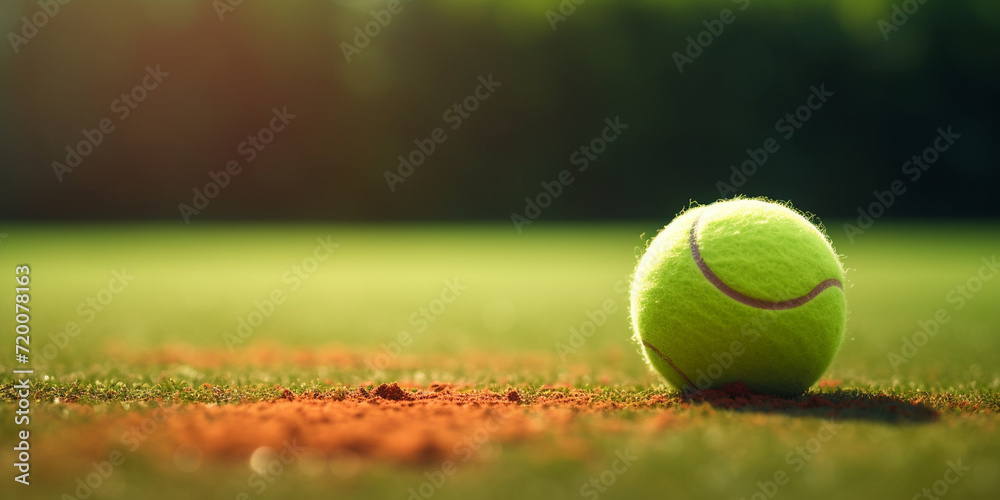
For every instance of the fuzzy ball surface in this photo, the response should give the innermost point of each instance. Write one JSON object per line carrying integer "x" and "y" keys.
{"x": 743, "y": 290}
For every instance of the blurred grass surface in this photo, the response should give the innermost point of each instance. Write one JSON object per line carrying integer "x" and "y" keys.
{"x": 524, "y": 294}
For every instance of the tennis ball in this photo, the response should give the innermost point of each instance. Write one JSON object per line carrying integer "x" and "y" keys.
{"x": 742, "y": 290}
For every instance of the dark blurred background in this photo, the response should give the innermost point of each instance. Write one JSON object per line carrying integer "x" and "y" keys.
{"x": 230, "y": 66}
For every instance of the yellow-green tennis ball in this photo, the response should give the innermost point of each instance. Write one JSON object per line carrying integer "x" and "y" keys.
{"x": 742, "y": 290}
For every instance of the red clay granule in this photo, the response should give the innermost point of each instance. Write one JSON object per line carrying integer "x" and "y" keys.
{"x": 391, "y": 392}
{"x": 513, "y": 396}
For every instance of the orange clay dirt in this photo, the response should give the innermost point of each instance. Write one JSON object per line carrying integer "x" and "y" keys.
{"x": 409, "y": 425}
{"x": 420, "y": 424}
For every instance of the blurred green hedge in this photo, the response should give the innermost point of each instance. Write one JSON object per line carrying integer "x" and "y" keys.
{"x": 564, "y": 69}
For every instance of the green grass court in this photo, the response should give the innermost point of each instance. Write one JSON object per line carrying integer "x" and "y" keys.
{"x": 518, "y": 296}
